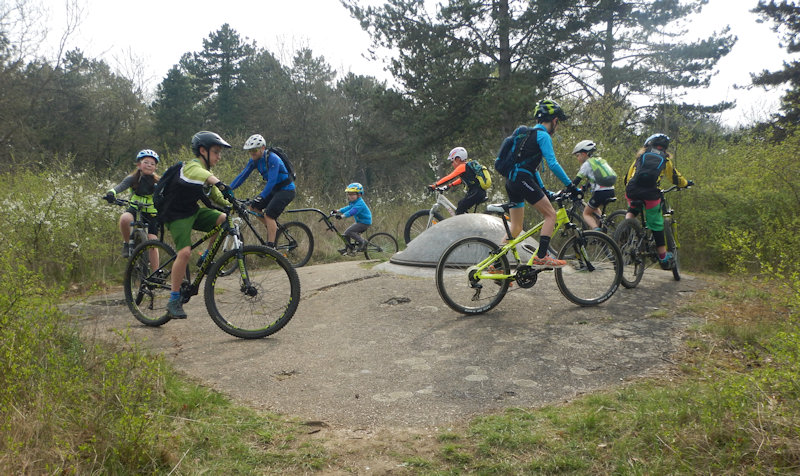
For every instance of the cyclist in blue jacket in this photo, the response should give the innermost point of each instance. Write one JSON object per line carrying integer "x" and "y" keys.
{"x": 357, "y": 208}
{"x": 279, "y": 190}
{"x": 524, "y": 184}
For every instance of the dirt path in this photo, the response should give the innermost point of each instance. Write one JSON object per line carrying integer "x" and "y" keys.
{"x": 371, "y": 349}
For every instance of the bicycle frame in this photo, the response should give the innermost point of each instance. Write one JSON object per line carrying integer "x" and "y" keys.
{"x": 324, "y": 218}
{"x": 562, "y": 220}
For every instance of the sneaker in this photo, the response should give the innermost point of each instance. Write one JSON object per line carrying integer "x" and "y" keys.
{"x": 175, "y": 309}
{"x": 667, "y": 261}
{"x": 548, "y": 262}
{"x": 127, "y": 249}
{"x": 343, "y": 251}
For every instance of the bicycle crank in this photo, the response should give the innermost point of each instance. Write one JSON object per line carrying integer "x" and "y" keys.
{"x": 526, "y": 276}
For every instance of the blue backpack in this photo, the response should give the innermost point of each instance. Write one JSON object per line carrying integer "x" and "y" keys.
{"x": 516, "y": 149}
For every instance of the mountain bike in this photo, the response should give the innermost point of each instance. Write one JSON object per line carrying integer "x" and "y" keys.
{"x": 256, "y": 302}
{"x": 380, "y": 246}
{"x": 474, "y": 274}
{"x": 424, "y": 219}
{"x": 638, "y": 245}
{"x": 293, "y": 239}
{"x": 139, "y": 227}
{"x": 608, "y": 223}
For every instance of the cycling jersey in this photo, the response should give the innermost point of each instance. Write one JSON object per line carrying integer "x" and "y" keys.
{"x": 456, "y": 177}
{"x": 530, "y": 166}
{"x": 191, "y": 187}
{"x": 652, "y": 193}
{"x": 142, "y": 187}
{"x": 359, "y": 209}
{"x": 271, "y": 168}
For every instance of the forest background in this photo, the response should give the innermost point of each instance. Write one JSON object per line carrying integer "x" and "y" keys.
{"x": 70, "y": 127}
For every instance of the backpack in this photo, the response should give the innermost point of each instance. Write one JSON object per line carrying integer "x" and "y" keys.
{"x": 511, "y": 150}
{"x": 287, "y": 163}
{"x": 648, "y": 169}
{"x": 162, "y": 193}
{"x": 604, "y": 175}
{"x": 482, "y": 175}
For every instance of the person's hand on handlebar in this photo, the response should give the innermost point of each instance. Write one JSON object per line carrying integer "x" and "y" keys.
{"x": 109, "y": 197}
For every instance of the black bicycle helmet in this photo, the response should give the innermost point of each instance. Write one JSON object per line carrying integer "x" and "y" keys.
{"x": 207, "y": 139}
{"x": 547, "y": 109}
{"x": 657, "y": 140}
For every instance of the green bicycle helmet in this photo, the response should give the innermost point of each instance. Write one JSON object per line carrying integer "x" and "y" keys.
{"x": 547, "y": 109}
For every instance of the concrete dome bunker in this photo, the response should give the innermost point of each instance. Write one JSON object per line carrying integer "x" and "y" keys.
{"x": 425, "y": 249}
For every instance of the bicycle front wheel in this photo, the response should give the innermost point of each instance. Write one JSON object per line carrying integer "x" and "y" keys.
{"x": 148, "y": 277}
{"x": 295, "y": 242}
{"x": 456, "y": 281}
{"x": 258, "y": 300}
{"x": 593, "y": 271}
{"x": 672, "y": 247}
{"x": 380, "y": 246}
{"x": 227, "y": 245}
{"x": 630, "y": 238}
{"x": 419, "y": 223}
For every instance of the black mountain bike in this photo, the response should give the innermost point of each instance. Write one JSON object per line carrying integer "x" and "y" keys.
{"x": 638, "y": 245}
{"x": 256, "y": 302}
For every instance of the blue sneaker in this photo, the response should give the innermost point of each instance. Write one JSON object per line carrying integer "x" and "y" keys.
{"x": 667, "y": 262}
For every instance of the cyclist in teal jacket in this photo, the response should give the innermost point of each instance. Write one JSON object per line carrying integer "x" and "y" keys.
{"x": 357, "y": 208}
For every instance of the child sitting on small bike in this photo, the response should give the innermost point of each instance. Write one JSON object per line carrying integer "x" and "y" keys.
{"x": 642, "y": 185}
{"x": 462, "y": 174}
{"x": 142, "y": 181}
{"x": 357, "y": 208}
{"x": 601, "y": 194}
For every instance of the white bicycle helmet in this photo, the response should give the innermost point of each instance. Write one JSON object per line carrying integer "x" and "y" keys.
{"x": 458, "y": 153}
{"x": 255, "y": 141}
{"x": 584, "y": 146}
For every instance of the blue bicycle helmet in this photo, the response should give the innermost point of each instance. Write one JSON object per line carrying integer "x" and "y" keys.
{"x": 355, "y": 187}
{"x": 147, "y": 153}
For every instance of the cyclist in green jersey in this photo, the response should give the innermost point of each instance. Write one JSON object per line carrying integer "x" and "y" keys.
{"x": 142, "y": 181}
{"x": 184, "y": 215}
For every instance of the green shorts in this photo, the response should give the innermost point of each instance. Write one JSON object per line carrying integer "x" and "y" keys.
{"x": 205, "y": 219}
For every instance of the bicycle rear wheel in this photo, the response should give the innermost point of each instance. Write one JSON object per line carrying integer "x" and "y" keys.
{"x": 612, "y": 221}
{"x": 630, "y": 238}
{"x": 672, "y": 247}
{"x": 260, "y": 306}
{"x": 419, "y": 223}
{"x": 147, "y": 282}
{"x": 593, "y": 271}
{"x": 455, "y": 280}
{"x": 380, "y": 246}
{"x": 295, "y": 242}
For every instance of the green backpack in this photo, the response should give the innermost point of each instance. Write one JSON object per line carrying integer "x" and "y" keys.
{"x": 482, "y": 174}
{"x": 604, "y": 175}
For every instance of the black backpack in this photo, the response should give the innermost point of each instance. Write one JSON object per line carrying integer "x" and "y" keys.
{"x": 287, "y": 163}
{"x": 516, "y": 149}
{"x": 162, "y": 194}
{"x": 648, "y": 170}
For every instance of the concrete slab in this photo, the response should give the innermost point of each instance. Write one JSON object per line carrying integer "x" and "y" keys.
{"x": 369, "y": 348}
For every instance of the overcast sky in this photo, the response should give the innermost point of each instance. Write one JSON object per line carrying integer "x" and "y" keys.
{"x": 157, "y": 32}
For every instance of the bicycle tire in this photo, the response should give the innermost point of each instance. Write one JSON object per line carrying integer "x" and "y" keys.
{"x": 630, "y": 238}
{"x": 418, "y": 223}
{"x": 147, "y": 293}
{"x": 453, "y": 281}
{"x": 672, "y": 248}
{"x": 261, "y": 309}
{"x": 589, "y": 283}
{"x": 380, "y": 246}
{"x": 295, "y": 242}
{"x": 612, "y": 221}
